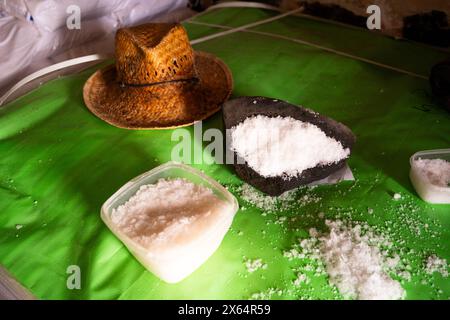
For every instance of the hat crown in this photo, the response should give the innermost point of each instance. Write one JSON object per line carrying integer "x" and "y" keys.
{"x": 153, "y": 52}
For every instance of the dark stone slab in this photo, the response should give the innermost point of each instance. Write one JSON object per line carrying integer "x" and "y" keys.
{"x": 440, "y": 83}
{"x": 237, "y": 110}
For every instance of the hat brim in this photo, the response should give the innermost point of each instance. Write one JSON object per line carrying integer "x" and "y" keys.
{"x": 162, "y": 106}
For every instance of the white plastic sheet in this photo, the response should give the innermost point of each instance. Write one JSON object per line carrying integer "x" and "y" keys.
{"x": 34, "y": 34}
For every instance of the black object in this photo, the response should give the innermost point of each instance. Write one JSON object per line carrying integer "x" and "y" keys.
{"x": 431, "y": 28}
{"x": 440, "y": 82}
{"x": 237, "y": 110}
{"x": 200, "y": 5}
{"x": 333, "y": 12}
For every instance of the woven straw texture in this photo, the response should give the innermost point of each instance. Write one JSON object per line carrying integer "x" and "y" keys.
{"x": 154, "y": 53}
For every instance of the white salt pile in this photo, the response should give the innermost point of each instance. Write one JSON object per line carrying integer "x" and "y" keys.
{"x": 353, "y": 259}
{"x": 162, "y": 212}
{"x": 178, "y": 223}
{"x": 271, "y": 146}
{"x": 355, "y": 266}
{"x": 435, "y": 171}
{"x": 436, "y": 264}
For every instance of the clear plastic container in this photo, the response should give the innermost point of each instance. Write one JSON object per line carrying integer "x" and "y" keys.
{"x": 173, "y": 267}
{"x": 427, "y": 191}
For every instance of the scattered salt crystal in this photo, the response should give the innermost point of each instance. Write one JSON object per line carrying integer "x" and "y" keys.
{"x": 406, "y": 275}
{"x": 397, "y": 196}
{"x": 257, "y": 198}
{"x": 280, "y": 220}
{"x": 301, "y": 278}
{"x": 271, "y": 146}
{"x": 293, "y": 254}
{"x": 19, "y": 226}
{"x": 267, "y": 294}
{"x": 286, "y": 201}
{"x": 436, "y": 264}
{"x": 369, "y": 210}
{"x": 254, "y": 265}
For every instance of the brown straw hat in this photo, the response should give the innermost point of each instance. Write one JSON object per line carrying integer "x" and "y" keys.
{"x": 158, "y": 81}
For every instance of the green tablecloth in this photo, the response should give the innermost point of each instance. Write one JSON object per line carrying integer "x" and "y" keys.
{"x": 59, "y": 163}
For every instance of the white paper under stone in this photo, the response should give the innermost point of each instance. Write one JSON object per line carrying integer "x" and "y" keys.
{"x": 343, "y": 174}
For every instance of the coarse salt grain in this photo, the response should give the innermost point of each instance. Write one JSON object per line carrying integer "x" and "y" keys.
{"x": 280, "y": 220}
{"x": 254, "y": 265}
{"x": 293, "y": 254}
{"x": 271, "y": 146}
{"x": 258, "y": 199}
{"x": 436, "y": 264}
{"x": 266, "y": 294}
{"x": 397, "y": 196}
{"x": 435, "y": 171}
{"x": 286, "y": 201}
{"x": 301, "y": 278}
